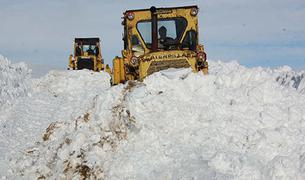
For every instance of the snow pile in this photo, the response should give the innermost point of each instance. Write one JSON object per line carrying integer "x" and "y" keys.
{"x": 284, "y": 75}
{"x": 64, "y": 146}
{"x": 235, "y": 123}
{"x": 58, "y": 97}
{"x": 289, "y": 78}
{"x": 13, "y": 80}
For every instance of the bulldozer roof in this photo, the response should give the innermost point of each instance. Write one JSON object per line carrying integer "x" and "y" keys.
{"x": 181, "y": 7}
{"x": 89, "y": 41}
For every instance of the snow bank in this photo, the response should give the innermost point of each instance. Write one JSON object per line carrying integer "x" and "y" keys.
{"x": 57, "y": 97}
{"x": 283, "y": 75}
{"x": 14, "y": 80}
{"x": 235, "y": 123}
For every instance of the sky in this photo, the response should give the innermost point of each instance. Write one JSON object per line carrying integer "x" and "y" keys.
{"x": 268, "y": 33}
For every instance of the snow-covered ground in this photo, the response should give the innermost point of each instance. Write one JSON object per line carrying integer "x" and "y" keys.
{"x": 235, "y": 123}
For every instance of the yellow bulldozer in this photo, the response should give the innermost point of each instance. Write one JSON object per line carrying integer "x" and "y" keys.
{"x": 87, "y": 55}
{"x": 156, "y": 39}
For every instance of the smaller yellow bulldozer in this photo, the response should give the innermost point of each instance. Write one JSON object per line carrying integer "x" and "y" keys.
{"x": 87, "y": 55}
{"x": 156, "y": 39}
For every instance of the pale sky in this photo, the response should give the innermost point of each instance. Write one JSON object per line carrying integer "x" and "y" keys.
{"x": 268, "y": 33}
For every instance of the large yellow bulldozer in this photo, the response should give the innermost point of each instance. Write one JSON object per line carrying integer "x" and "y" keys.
{"x": 156, "y": 39}
{"x": 87, "y": 55}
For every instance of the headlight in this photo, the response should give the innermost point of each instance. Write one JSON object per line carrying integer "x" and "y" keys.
{"x": 194, "y": 11}
{"x": 134, "y": 60}
{"x": 201, "y": 56}
{"x": 130, "y": 15}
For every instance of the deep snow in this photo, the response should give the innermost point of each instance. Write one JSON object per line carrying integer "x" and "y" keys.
{"x": 235, "y": 123}
{"x": 13, "y": 80}
{"x": 57, "y": 97}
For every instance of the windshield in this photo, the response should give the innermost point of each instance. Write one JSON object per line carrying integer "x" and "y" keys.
{"x": 169, "y": 32}
{"x": 87, "y": 48}
{"x": 90, "y": 49}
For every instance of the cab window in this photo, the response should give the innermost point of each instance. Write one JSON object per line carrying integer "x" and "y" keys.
{"x": 190, "y": 40}
{"x": 170, "y": 32}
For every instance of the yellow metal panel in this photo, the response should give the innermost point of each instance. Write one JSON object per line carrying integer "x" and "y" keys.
{"x": 118, "y": 71}
{"x": 122, "y": 70}
{"x": 108, "y": 69}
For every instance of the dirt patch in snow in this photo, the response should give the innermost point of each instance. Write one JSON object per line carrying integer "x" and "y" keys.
{"x": 50, "y": 130}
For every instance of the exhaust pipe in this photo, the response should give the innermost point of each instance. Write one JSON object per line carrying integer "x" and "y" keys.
{"x": 154, "y": 28}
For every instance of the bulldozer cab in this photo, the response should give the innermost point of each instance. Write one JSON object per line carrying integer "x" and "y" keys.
{"x": 87, "y": 47}
{"x": 156, "y": 39}
{"x": 86, "y": 55}
{"x": 167, "y": 36}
